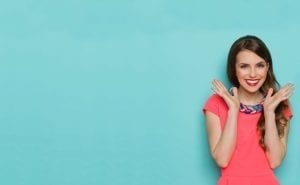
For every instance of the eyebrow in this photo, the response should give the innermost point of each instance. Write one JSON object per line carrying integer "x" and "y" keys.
{"x": 261, "y": 62}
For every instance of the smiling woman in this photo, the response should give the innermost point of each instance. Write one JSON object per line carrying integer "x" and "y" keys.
{"x": 248, "y": 126}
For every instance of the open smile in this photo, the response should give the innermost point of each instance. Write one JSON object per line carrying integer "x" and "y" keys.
{"x": 252, "y": 82}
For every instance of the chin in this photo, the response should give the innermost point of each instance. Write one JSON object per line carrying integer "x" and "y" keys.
{"x": 251, "y": 90}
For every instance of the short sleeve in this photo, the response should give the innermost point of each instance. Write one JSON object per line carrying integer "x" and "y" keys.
{"x": 213, "y": 104}
{"x": 287, "y": 112}
{"x": 216, "y": 105}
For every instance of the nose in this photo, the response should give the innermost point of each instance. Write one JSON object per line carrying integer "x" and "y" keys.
{"x": 252, "y": 72}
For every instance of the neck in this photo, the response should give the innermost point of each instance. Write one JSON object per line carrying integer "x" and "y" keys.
{"x": 249, "y": 98}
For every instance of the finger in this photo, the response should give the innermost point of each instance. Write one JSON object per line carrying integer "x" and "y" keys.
{"x": 289, "y": 84}
{"x": 289, "y": 95}
{"x": 212, "y": 88}
{"x": 219, "y": 87}
{"x": 287, "y": 91}
{"x": 216, "y": 87}
{"x": 215, "y": 90}
{"x": 235, "y": 91}
{"x": 270, "y": 92}
{"x": 286, "y": 87}
{"x": 219, "y": 84}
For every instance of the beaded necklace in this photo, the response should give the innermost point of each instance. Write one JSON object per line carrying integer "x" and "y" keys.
{"x": 252, "y": 109}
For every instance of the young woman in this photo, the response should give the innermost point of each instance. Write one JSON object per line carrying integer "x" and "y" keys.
{"x": 248, "y": 125}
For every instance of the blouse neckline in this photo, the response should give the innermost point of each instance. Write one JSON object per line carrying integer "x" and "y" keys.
{"x": 252, "y": 109}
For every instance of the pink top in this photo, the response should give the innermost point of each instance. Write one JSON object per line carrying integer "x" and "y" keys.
{"x": 248, "y": 158}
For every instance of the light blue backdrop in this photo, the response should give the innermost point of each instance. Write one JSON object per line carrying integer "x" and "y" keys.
{"x": 110, "y": 92}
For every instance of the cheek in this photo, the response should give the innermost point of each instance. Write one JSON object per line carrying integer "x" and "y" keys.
{"x": 263, "y": 72}
{"x": 240, "y": 74}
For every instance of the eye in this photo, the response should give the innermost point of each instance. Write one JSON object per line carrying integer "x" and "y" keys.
{"x": 243, "y": 66}
{"x": 261, "y": 65}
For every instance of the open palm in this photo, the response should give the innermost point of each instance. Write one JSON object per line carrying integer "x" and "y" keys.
{"x": 232, "y": 101}
{"x": 273, "y": 100}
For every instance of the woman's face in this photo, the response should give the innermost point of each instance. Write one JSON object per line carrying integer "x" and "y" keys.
{"x": 251, "y": 71}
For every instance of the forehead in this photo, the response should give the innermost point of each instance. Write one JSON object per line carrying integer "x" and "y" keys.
{"x": 249, "y": 57}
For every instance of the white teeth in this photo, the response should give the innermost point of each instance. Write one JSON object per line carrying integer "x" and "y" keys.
{"x": 252, "y": 81}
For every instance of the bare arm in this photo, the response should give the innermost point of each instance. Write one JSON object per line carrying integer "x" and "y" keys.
{"x": 222, "y": 144}
{"x": 275, "y": 146}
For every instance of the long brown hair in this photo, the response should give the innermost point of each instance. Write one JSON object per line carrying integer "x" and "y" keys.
{"x": 257, "y": 46}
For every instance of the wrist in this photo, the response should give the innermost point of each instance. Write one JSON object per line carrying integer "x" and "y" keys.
{"x": 268, "y": 114}
{"x": 233, "y": 110}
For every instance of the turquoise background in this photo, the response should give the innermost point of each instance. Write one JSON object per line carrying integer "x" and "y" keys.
{"x": 110, "y": 92}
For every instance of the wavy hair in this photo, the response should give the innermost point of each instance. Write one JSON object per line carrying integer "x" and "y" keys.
{"x": 257, "y": 46}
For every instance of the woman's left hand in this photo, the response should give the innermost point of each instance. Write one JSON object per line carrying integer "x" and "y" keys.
{"x": 272, "y": 101}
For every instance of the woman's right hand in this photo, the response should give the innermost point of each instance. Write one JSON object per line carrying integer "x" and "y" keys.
{"x": 232, "y": 101}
